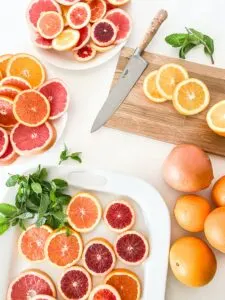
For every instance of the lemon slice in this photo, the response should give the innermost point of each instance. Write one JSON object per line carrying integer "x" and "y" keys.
{"x": 66, "y": 40}
{"x": 191, "y": 97}
{"x": 150, "y": 89}
{"x": 216, "y": 118}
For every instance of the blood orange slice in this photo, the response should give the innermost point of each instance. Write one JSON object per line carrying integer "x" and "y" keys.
{"x": 103, "y": 33}
{"x": 79, "y": 15}
{"x": 32, "y": 242}
{"x": 131, "y": 248}
{"x": 17, "y": 82}
{"x": 126, "y": 283}
{"x": 9, "y": 156}
{"x": 9, "y": 91}
{"x": 98, "y": 10}
{"x": 3, "y": 63}
{"x": 57, "y": 94}
{"x": 85, "y": 54}
{"x": 50, "y": 24}
{"x": 43, "y": 297}
{"x": 119, "y": 216}
{"x": 99, "y": 257}
{"x": 75, "y": 283}
{"x": 29, "y": 284}
{"x": 37, "y": 7}
{"x": 104, "y": 291}
{"x": 7, "y": 118}
{"x": 31, "y": 108}
{"x": 122, "y": 21}
{"x": 85, "y": 35}
{"x": 32, "y": 140}
{"x": 41, "y": 42}
{"x": 84, "y": 212}
{"x": 4, "y": 141}
{"x": 64, "y": 250}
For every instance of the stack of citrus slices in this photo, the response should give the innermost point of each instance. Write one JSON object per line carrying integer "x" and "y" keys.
{"x": 84, "y": 28}
{"x": 97, "y": 258}
{"x": 28, "y": 107}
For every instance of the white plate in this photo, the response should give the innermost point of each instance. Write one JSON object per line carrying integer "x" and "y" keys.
{"x": 152, "y": 219}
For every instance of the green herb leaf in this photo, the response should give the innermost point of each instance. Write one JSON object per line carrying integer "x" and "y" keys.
{"x": 68, "y": 231}
{"x": 185, "y": 49}
{"x": 45, "y": 201}
{"x": 41, "y": 221}
{"x": 209, "y": 47}
{"x": 12, "y": 181}
{"x": 66, "y": 155}
{"x": 196, "y": 33}
{"x": 63, "y": 199}
{"x": 3, "y": 220}
{"x": 36, "y": 187}
{"x": 26, "y": 216}
{"x": 7, "y": 209}
{"x": 22, "y": 225}
{"x": 76, "y": 156}
{"x": 59, "y": 216}
{"x": 60, "y": 184}
{"x": 4, "y": 227}
{"x": 176, "y": 39}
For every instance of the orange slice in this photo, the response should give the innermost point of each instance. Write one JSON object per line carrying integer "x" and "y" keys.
{"x": 168, "y": 77}
{"x": 66, "y": 40}
{"x": 216, "y": 118}
{"x": 3, "y": 63}
{"x": 84, "y": 212}
{"x": 27, "y": 67}
{"x": 31, "y": 108}
{"x": 191, "y": 97}
{"x": 150, "y": 89}
{"x": 7, "y": 118}
{"x": 63, "y": 249}
{"x": 126, "y": 283}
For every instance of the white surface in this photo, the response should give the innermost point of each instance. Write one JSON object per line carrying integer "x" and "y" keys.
{"x": 112, "y": 150}
{"x": 152, "y": 218}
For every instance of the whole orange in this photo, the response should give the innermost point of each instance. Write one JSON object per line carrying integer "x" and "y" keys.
{"x": 218, "y": 192}
{"x": 215, "y": 228}
{"x": 191, "y": 211}
{"x": 192, "y": 261}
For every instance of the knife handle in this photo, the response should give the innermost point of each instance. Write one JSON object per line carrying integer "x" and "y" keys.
{"x": 155, "y": 25}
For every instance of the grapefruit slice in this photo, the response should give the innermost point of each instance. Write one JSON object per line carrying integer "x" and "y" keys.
{"x": 9, "y": 156}
{"x": 17, "y": 82}
{"x": 7, "y": 118}
{"x": 43, "y": 297}
{"x": 85, "y": 54}
{"x": 67, "y": 2}
{"x": 3, "y": 63}
{"x": 32, "y": 140}
{"x": 4, "y": 141}
{"x": 103, "y": 33}
{"x": 98, "y": 10}
{"x": 57, "y": 94}
{"x": 9, "y": 91}
{"x": 131, "y": 248}
{"x": 85, "y": 35}
{"x": 126, "y": 283}
{"x": 64, "y": 250}
{"x": 41, "y": 42}
{"x": 122, "y": 21}
{"x": 75, "y": 283}
{"x": 101, "y": 49}
{"x": 118, "y": 2}
{"x": 104, "y": 291}
{"x": 29, "y": 284}
{"x": 98, "y": 257}
{"x": 84, "y": 212}
{"x": 31, "y": 108}
{"x": 66, "y": 40}
{"x": 50, "y": 24}
{"x": 32, "y": 242}
{"x": 27, "y": 67}
{"x": 37, "y": 7}
{"x": 119, "y": 216}
{"x": 79, "y": 15}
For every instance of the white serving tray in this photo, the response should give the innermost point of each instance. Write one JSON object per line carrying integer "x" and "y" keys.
{"x": 153, "y": 220}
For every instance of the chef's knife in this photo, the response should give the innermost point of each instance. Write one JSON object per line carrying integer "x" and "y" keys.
{"x": 132, "y": 72}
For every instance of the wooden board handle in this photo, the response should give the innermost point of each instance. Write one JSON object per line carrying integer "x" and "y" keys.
{"x": 155, "y": 25}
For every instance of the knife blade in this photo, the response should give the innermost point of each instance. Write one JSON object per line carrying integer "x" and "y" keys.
{"x": 131, "y": 74}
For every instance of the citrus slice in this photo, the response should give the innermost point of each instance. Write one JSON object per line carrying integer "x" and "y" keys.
{"x": 131, "y": 248}
{"x": 85, "y": 54}
{"x": 79, "y": 15}
{"x": 27, "y": 67}
{"x": 50, "y": 24}
{"x": 84, "y": 212}
{"x": 126, "y": 283}
{"x": 98, "y": 257}
{"x": 103, "y": 33}
{"x": 216, "y": 118}
{"x": 168, "y": 77}
{"x": 32, "y": 242}
{"x": 67, "y": 2}
{"x": 104, "y": 291}
{"x": 75, "y": 283}
{"x": 85, "y": 35}
{"x": 66, "y": 40}
{"x": 31, "y": 108}
{"x": 7, "y": 118}
{"x": 9, "y": 155}
{"x": 17, "y": 82}
{"x": 118, "y": 2}
{"x": 43, "y": 297}
{"x": 150, "y": 89}
{"x": 63, "y": 249}
{"x": 65, "y": 10}
{"x": 3, "y": 63}
{"x": 191, "y": 97}
{"x": 4, "y": 141}
{"x": 98, "y": 10}
{"x": 101, "y": 49}
{"x": 32, "y": 140}
{"x": 41, "y": 42}
{"x": 119, "y": 216}
{"x": 29, "y": 284}
{"x": 9, "y": 91}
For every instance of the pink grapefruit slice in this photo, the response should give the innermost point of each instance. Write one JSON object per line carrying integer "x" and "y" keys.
{"x": 104, "y": 291}
{"x": 123, "y": 23}
{"x": 43, "y": 297}
{"x": 79, "y": 15}
{"x": 98, "y": 257}
{"x": 131, "y": 248}
{"x": 37, "y": 7}
{"x": 56, "y": 92}
{"x": 9, "y": 91}
{"x": 41, "y": 42}
{"x": 32, "y": 140}
{"x": 7, "y": 118}
{"x": 4, "y": 141}
{"x": 29, "y": 284}
{"x": 67, "y": 2}
{"x": 50, "y": 24}
{"x": 98, "y": 10}
{"x": 9, "y": 156}
{"x": 85, "y": 35}
{"x": 85, "y": 54}
{"x": 103, "y": 33}
{"x": 119, "y": 216}
{"x": 16, "y": 82}
{"x": 32, "y": 242}
{"x": 75, "y": 283}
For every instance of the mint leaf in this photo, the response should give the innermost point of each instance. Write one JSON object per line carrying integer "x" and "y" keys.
{"x": 60, "y": 184}
{"x": 185, "y": 49}
{"x": 176, "y": 39}
{"x": 12, "y": 181}
{"x": 76, "y": 156}
{"x": 209, "y": 47}
{"x": 65, "y": 155}
{"x": 7, "y": 209}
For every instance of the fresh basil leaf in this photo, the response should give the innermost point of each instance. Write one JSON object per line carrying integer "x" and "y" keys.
{"x": 32, "y": 207}
{"x": 41, "y": 221}
{"x": 60, "y": 184}
{"x": 45, "y": 201}
{"x": 22, "y": 225}
{"x": 176, "y": 39}
{"x": 7, "y": 210}
{"x": 26, "y": 216}
{"x": 53, "y": 186}
{"x": 36, "y": 187}
{"x": 63, "y": 199}
{"x": 4, "y": 227}
{"x": 52, "y": 196}
{"x": 12, "y": 181}
{"x": 43, "y": 174}
{"x": 59, "y": 216}
{"x": 76, "y": 156}
{"x": 3, "y": 220}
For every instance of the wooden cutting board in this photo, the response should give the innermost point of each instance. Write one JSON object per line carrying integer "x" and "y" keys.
{"x": 160, "y": 121}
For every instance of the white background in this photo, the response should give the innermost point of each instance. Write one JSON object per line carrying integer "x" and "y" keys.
{"x": 112, "y": 150}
